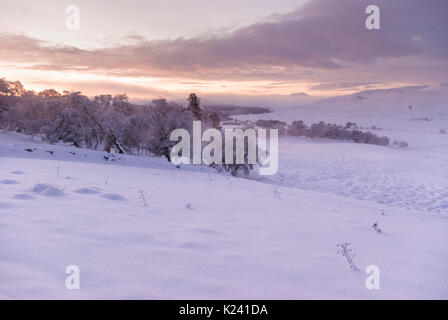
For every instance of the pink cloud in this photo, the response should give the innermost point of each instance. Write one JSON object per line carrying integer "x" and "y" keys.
{"x": 324, "y": 37}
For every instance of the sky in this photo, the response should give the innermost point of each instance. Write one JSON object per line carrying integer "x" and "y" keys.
{"x": 223, "y": 50}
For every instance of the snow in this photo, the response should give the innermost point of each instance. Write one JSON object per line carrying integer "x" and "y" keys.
{"x": 396, "y": 177}
{"x": 203, "y": 235}
{"x": 388, "y": 109}
{"x": 414, "y": 178}
{"x": 138, "y": 227}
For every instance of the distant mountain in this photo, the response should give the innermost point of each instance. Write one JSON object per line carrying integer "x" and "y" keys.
{"x": 266, "y": 101}
{"x": 401, "y": 108}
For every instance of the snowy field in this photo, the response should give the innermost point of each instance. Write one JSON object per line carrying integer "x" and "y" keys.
{"x": 414, "y": 178}
{"x": 138, "y": 227}
{"x": 204, "y": 235}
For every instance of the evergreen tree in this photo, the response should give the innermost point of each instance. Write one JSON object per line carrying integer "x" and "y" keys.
{"x": 194, "y": 106}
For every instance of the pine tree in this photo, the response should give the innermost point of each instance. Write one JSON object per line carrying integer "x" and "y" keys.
{"x": 194, "y": 106}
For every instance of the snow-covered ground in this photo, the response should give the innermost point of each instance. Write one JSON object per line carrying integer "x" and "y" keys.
{"x": 415, "y": 178}
{"x": 210, "y": 236}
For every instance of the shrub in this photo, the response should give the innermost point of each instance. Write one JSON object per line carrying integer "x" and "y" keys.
{"x": 297, "y": 128}
{"x": 48, "y": 190}
{"x": 273, "y": 124}
{"x": 401, "y": 144}
{"x": 346, "y": 252}
{"x": 336, "y": 132}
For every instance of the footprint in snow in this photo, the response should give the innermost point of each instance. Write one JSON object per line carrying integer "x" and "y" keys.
{"x": 8, "y": 182}
{"x": 193, "y": 246}
{"x": 17, "y": 172}
{"x": 113, "y": 196}
{"x": 23, "y": 196}
{"x": 87, "y": 191}
{"x": 48, "y": 190}
{"x": 4, "y": 205}
{"x": 206, "y": 231}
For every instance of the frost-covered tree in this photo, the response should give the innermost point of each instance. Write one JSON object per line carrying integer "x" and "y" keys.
{"x": 210, "y": 119}
{"x": 11, "y": 88}
{"x": 332, "y": 131}
{"x": 9, "y": 92}
{"x": 297, "y": 128}
{"x": 164, "y": 117}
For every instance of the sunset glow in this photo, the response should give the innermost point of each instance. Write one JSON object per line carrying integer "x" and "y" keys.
{"x": 316, "y": 47}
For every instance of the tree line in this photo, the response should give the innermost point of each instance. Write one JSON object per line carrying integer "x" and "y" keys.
{"x": 104, "y": 122}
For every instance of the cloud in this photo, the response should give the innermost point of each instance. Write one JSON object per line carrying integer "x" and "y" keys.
{"x": 321, "y": 38}
{"x": 95, "y": 87}
{"x": 342, "y": 85}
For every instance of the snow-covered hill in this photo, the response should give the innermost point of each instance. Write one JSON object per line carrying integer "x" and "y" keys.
{"x": 415, "y": 178}
{"x": 418, "y": 108}
{"x": 207, "y": 235}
